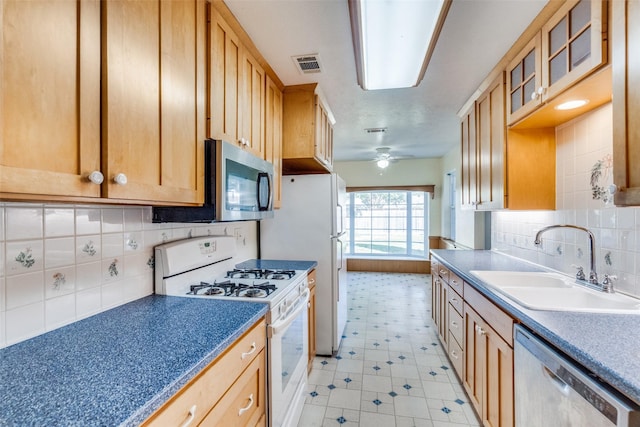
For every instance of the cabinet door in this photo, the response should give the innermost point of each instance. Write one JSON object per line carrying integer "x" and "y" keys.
{"x": 153, "y": 81}
{"x": 573, "y": 44}
{"x": 491, "y": 146}
{"x": 626, "y": 102}
{"x": 312, "y": 327}
{"x": 273, "y": 137}
{"x": 435, "y": 296}
{"x": 443, "y": 322}
{"x": 49, "y": 97}
{"x": 475, "y": 347}
{"x": 469, "y": 159}
{"x": 488, "y": 371}
{"x": 252, "y": 101}
{"x": 524, "y": 81}
{"x": 323, "y": 134}
{"x": 224, "y": 86}
{"x": 498, "y": 409}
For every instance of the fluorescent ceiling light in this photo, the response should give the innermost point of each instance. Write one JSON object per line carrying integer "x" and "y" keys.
{"x": 394, "y": 39}
{"x": 570, "y": 105}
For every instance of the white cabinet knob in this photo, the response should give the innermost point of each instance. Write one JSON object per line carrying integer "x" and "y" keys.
{"x": 120, "y": 179}
{"x": 96, "y": 177}
{"x": 538, "y": 93}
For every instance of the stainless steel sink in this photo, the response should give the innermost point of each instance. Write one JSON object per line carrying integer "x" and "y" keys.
{"x": 553, "y": 291}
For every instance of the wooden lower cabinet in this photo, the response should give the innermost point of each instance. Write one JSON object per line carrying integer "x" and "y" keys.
{"x": 488, "y": 371}
{"x": 311, "y": 277}
{"x": 244, "y": 403}
{"x": 231, "y": 391}
{"x": 478, "y": 339}
{"x": 439, "y": 307}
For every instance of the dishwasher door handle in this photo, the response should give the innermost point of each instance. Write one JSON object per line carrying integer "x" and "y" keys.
{"x": 562, "y": 386}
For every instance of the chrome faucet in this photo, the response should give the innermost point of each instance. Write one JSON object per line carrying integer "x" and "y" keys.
{"x": 593, "y": 276}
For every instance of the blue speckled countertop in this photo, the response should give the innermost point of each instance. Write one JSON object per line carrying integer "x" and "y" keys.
{"x": 119, "y": 366}
{"x": 278, "y": 264}
{"x": 606, "y": 344}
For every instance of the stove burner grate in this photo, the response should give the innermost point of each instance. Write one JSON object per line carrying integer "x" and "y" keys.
{"x": 260, "y": 273}
{"x": 229, "y": 288}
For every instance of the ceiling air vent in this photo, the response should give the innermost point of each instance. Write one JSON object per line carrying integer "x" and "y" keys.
{"x": 308, "y": 64}
{"x": 376, "y": 130}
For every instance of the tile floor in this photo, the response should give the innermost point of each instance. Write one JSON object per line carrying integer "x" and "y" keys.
{"x": 391, "y": 370}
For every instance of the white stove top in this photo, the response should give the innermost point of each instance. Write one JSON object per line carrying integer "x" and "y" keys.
{"x": 204, "y": 267}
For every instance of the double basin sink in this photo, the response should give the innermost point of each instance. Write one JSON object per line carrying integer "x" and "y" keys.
{"x": 554, "y": 291}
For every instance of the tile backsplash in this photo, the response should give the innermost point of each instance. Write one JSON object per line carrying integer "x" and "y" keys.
{"x": 62, "y": 263}
{"x": 583, "y": 198}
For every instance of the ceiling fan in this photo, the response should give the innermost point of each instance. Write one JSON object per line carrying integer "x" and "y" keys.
{"x": 384, "y": 158}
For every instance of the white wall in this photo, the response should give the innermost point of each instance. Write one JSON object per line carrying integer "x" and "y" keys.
{"x": 62, "y": 263}
{"x": 401, "y": 172}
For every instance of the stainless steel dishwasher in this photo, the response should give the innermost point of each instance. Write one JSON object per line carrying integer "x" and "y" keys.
{"x": 552, "y": 391}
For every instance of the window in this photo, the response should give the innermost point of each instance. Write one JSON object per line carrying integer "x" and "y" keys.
{"x": 387, "y": 223}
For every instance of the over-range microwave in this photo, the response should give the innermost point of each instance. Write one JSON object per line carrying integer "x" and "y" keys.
{"x": 238, "y": 187}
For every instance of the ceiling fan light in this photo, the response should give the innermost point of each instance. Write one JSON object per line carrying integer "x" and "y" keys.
{"x": 393, "y": 41}
{"x": 382, "y": 163}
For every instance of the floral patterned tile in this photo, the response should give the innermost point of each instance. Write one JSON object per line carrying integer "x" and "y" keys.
{"x": 24, "y": 256}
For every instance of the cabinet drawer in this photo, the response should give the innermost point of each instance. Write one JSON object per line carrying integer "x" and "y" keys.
{"x": 455, "y": 325}
{"x": 209, "y": 386}
{"x": 456, "y": 283}
{"x": 244, "y": 403}
{"x": 456, "y": 302}
{"x": 456, "y": 355}
{"x": 443, "y": 272}
{"x": 500, "y": 321}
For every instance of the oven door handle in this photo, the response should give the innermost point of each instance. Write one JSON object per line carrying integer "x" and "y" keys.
{"x": 300, "y": 304}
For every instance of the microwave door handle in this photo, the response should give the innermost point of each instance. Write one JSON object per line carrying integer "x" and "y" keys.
{"x": 261, "y": 177}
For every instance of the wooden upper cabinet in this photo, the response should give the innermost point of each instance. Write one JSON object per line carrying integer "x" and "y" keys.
{"x": 252, "y": 104}
{"x": 497, "y": 167}
{"x": 469, "y": 159}
{"x": 490, "y": 116}
{"x": 307, "y": 131}
{"x": 574, "y": 43}
{"x": 225, "y": 56}
{"x": 273, "y": 137}
{"x": 153, "y": 100}
{"x": 626, "y": 102}
{"x": 524, "y": 80}
{"x": 570, "y": 46}
{"x": 237, "y": 89}
{"x": 49, "y": 98}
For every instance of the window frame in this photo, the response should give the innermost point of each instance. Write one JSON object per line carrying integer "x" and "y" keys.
{"x": 408, "y": 217}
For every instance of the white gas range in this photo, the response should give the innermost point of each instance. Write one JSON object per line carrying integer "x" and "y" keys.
{"x": 204, "y": 267}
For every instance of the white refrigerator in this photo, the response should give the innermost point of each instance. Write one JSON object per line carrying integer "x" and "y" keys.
{"x": 309, "y": 227}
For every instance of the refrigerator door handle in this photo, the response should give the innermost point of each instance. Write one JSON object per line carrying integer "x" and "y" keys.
{"x": 341, "y": 254}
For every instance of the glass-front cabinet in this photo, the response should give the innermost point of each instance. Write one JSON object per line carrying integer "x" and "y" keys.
{"x": 569, "y": 46}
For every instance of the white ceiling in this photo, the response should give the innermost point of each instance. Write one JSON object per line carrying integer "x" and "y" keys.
{"x": 421, "y": 121}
